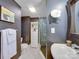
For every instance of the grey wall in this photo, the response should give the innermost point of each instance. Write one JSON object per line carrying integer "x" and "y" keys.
{"x": 11, "y": 5}
{"x": 25, "y": 29}
{"x": 61, "y": 27}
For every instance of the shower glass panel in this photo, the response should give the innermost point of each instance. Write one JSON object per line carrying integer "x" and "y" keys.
{"x": 43, "y": 34}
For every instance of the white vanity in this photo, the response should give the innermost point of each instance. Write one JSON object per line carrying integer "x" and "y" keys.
{"x": 62, "y": 51}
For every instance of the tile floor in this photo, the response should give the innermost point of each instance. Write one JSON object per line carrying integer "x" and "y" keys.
{"x": 31, "y": 53}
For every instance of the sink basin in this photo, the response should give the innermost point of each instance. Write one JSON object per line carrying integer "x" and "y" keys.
{"x": 61, "y": 51}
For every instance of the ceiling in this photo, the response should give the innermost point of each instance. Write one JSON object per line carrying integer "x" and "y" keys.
{"x": 43, "y": 7}
{"x": 40, "y": 6}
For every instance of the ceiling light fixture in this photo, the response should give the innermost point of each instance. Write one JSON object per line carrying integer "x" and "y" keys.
{"x": 32, "y": 9}
{"x": 56, "y": 13}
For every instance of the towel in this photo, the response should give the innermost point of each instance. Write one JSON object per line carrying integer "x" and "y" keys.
{"x": 4, "y": 47}
{"x": 8, "y": 37}
{"x": 11, "y": 37}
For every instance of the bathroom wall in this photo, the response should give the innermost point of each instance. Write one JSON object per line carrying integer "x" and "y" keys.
{"x": 25, "y": 29}
{"x": 61, "y": 26}
{"x": 11, "y": 5}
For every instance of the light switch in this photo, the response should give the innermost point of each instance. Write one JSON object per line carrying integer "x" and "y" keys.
{"x": 53, "y": 30}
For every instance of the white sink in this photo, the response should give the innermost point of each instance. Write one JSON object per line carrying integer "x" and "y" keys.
{"x": 61, "y": 51}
